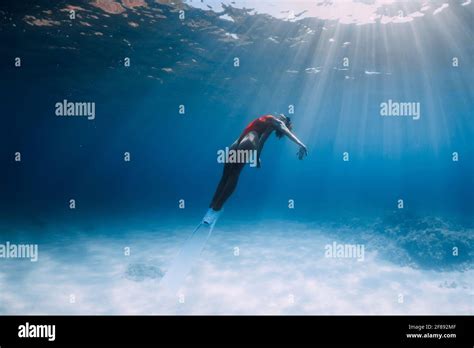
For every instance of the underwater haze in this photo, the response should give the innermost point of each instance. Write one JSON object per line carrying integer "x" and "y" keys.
{"x": 377, "y": 219}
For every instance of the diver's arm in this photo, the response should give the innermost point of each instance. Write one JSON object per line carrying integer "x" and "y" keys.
{"x": 284, "y": 129}
{"x": 281, "y": 126}
{"x": 260, "y": 146}
{"x": 234, "y": 144}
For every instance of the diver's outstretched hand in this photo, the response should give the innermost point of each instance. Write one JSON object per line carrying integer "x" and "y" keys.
{"x": 302, "y": 152}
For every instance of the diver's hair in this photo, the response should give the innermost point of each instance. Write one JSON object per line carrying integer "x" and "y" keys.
{"x": 288, "y": 124}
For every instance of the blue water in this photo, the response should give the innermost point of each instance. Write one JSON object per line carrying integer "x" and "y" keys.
{"x": 173, "y": 157}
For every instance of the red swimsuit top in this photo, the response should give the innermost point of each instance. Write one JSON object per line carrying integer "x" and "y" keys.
{"x": 259, "y": 125}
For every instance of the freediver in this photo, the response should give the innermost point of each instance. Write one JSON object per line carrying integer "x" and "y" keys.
{"x": 252, "y": 139}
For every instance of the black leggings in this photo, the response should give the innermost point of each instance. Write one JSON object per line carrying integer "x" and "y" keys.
{"x": 227, "y": 185}
{"x": 231, "y": 174}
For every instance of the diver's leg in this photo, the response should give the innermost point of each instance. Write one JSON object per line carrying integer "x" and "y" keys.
{"x": 230, "y": 177}
{"x": 225, "y": 175}
{"x": 229, "y": 187}
{"x": 248, "y": 143}
{"x": 215, "y": 207}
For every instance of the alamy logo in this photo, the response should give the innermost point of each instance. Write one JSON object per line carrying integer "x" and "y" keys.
{"x": 393, "y": 108}
{"x": 67, "y": 108}
{"x": 237, "y": 156}
{"x": 37, "y": 331}
{"x": 19, "y": 251}
{"x": 336, "y": 250}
